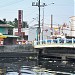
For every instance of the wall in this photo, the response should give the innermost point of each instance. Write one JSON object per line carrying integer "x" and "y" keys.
{"x": 26, "y": 30}
{"x": 72, "y": 25}
{"x": 17, "y": 48}
{"x": 4, "y": 30}
{"x": 33, "y": 33}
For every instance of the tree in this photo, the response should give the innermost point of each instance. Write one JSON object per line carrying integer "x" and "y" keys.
{"x": 25, "y": 25}
{"x": 10, "y": 22}
{"x": 15, "y": 23}
{"x": 4, "y": 20}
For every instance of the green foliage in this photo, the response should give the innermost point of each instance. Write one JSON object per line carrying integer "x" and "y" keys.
{"x": 15, "y": 23}
{"x": 2, "y": 22}
{"x": 25, "y": 25}
{"x": 10, "y": 22}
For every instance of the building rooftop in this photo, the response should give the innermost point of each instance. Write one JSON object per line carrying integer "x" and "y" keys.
{"x": 12, "y": 36}
{"x": 72, "y": 17}
{"x": 3, "y": 24}
{"x": 6, "y": 25}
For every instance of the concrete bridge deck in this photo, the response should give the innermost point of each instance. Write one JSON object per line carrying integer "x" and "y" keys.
{"x": 64, "y": 48}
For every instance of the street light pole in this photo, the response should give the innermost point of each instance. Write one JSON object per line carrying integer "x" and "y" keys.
{"x": 43, "y": 18}
{"x": 43, "y": 23}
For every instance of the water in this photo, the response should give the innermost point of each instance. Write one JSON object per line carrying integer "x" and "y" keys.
{"x": 23, "y": 66}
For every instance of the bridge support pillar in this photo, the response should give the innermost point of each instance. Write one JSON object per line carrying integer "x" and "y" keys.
{"x": 39, "y": 56}
{"x": 64, "y": 60}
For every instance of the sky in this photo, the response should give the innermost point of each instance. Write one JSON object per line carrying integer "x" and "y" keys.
{"x": 61, "y": 10}
{"x": 74, "y": 7}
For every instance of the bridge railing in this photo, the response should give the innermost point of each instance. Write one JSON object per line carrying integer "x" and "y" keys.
{"x": 58, "y": 40}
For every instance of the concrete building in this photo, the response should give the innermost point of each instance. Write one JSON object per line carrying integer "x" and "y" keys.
{"x": 33, "y": 33}
{"x": 64, "y": 30}
{"x": 30, "y": 33}
{"x": 24, "y": 31}
{"x": 6, "y": 30}
{"x": 57, "y": 30}
{"x": 72, "y": 26}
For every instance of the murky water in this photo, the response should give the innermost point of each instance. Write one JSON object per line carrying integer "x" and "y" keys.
{"x": 23, "y": 66}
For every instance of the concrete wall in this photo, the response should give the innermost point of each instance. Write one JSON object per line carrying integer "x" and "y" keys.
{"x": 72, "y": 25}
{"x": 17, "y": 48}
{"x": 4, "y": 30}
{"x": 33, "y": 33}
{"x": 26, "y": 30}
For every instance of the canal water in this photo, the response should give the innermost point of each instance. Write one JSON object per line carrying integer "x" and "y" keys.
{"x": 30, "y": 66}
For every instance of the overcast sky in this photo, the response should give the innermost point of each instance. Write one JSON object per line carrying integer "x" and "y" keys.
{"x": 61, "y": 10}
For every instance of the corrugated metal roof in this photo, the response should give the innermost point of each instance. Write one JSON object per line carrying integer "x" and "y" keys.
{"x": 3, "y": 36}
{"x": 12, "y": 36}
{"x": 6, "y": 25}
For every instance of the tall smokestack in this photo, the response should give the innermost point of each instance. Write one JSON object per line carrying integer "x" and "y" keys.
{"x": 20, "y": 21}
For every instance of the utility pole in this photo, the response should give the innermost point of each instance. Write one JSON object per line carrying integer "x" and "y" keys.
{"x": 38, "y": 29}
{"x": 52, "y": 24}
{"x": 43, "y": 17}
{"x": 39, "y": 21}
{"x": 43, "y": 23}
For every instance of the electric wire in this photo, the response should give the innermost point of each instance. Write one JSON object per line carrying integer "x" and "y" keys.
{"x": 5, "y": 4}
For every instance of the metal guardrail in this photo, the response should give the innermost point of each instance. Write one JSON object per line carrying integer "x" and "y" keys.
{"x": 55, "y": 41}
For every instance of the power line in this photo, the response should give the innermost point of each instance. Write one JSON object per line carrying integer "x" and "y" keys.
{"x": 10, "y": 3}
